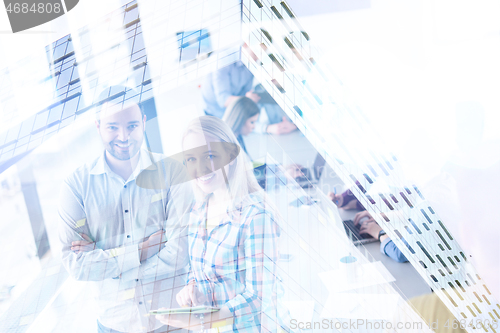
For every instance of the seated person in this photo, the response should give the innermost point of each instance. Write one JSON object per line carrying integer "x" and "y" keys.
{"x": 348, "y": 201}
{"x": 224, "y": 86}
{"x": 296, "y": 172}
{"x": 241, "y": 116}
{"x": 233, "y": 236}
{"x": 273, "y": 119}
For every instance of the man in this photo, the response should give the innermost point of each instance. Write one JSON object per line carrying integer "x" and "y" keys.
{"x": 226, "y": 85}
{"x": 121, "y": 236}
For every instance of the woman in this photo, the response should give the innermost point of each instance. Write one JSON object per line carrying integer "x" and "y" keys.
{"x": 241, "y": 116}
{"x": 233, "y": 237}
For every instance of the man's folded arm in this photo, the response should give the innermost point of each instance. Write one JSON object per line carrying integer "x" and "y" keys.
{"x": 173, "y": 258}
{"x": 94, "y": 265}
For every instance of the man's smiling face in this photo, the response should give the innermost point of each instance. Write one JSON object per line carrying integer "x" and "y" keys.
{"x": 122, "y": 131}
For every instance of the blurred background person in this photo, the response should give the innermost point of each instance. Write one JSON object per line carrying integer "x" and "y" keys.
{"x": 222, "y": 87}
{"x": 241, "y": 116}
{"x": 272, "y": 120}
{"x": 368, "y": 225}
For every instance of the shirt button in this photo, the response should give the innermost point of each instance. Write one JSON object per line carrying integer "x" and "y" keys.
{"x": 140, "y": 303}
{"x": 126, "y": 210}
{"x": 125, "y": 186}
{"x": 128, "y": 236}
{"x": 136, "y": 280}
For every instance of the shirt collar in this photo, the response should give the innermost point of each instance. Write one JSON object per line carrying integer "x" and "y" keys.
{"x": 101, "y": 166}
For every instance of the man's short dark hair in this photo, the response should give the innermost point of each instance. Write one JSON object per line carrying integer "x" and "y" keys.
{"x": 117, "y": 94}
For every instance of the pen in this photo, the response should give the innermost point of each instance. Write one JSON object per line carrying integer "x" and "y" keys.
{"x": 335, "y": 192}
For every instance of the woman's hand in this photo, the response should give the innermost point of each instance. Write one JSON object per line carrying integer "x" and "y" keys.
{"x": 284, "y": 127}
{"x": 189, "y": 295}
{"x": 338, "y": 199}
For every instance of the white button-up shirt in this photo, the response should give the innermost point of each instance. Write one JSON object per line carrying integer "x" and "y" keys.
{"x": 118, "y": 215}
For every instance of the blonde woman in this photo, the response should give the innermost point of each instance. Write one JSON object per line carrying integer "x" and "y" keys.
{"x": 233, "y": 236}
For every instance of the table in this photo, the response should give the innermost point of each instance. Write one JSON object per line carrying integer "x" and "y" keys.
{"x": 408, "y": 281}
{"x": 295, "y": 148}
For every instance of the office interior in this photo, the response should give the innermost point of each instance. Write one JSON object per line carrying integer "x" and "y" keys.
{"x": 426, "y": 89}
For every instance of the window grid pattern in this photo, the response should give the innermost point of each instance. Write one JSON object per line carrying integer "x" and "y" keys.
{"x": 74, "y": 78}
{"x": 168, "y": 18}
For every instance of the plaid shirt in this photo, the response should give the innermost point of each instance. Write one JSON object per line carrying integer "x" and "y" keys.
{"x": 235, "y": 265}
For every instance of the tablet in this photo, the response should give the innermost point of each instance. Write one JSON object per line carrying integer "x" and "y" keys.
{"x": 193, "y": 310}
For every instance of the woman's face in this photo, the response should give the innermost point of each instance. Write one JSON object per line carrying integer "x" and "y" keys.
{"x": 205, "y": 160}
{"x": 249, "y": 125}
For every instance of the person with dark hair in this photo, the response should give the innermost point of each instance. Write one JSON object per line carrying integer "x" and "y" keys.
{"x": 221, "y": 88}
{"x": 115, "y": 234}
{"x": 241, "y": 116}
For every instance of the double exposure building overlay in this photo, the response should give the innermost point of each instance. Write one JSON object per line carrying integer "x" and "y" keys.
{"x": 157, "y": 46}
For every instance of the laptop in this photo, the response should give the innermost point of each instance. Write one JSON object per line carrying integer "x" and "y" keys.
{"x": 311, "y": 176}
{"x": 269, "y": 175}
{"x": 353, "y": 233}
{"x": 315, "y": 196}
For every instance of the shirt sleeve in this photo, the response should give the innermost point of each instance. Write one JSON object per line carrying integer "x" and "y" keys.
{"x": 190, "y": 277}
{"x": 169, "y": 262}
{"x": 390, "y": 249}
{"x": 173, "y": 258}
{"x": 260, "y": 241}
{"x": 247, "y": 77}
{"x": 93, "y": 265}
{"x": 221, "y": 81}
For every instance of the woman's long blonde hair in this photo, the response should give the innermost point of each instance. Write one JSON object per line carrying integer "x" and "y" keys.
{"x": 240, "y": 179}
